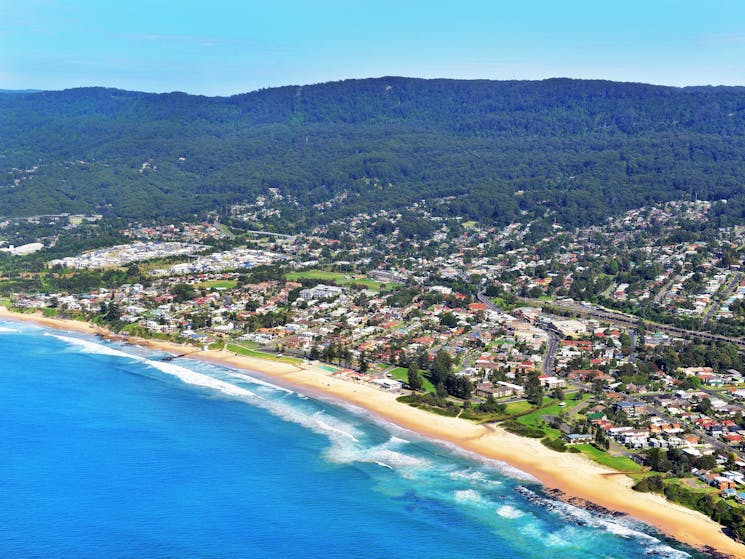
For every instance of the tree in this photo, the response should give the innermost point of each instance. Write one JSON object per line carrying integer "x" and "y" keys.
{"x": 414, "y": 377}
{"x": 731, "y": 461}
{"x": 641, "y": 332}
{"x": 459, "y": 386}
{"x": 657, "y": 460}
{"x": 448, "y": 320}
{"x": 534, "y": 389}
{"x": 110, "y": 311}
{"x": 183, "y": 292}
{"x": 597, "y": 387}
{"x": 706, "y": 462}
{"x": 364, "y": 365}
{"x": 704, "y": 406}
{"x": 328, "y": 353}
{"x": 442, "y": 366}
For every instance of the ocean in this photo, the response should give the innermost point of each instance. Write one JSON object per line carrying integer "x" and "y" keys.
{"x": 110, "y": 452}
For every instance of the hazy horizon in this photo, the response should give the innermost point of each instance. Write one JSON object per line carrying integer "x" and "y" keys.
{"x": 231, "y": 47}
{"x": 94, "y": 86}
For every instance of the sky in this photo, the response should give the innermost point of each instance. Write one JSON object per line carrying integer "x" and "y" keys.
{"x": 224, "y": 47}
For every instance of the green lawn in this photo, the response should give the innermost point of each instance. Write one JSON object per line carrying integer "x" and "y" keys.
{"x": 316, "y": 274}
{"x": 402, "y": 374}
{"x": 533, "y": 419}
{"x": 620, "y": 463}
{"x": 339, "y": 279}
{"x": 261, "y": 355}
{"x": 516, "y": 408}
{"x": 218, "y": 284}
{"x": 697, "y": 486}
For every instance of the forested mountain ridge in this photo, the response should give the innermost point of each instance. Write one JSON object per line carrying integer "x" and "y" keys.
{"x": 579, "y": 150}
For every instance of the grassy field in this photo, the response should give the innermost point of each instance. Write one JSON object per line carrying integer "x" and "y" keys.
{"x": 316, "y": 274}
{"x": 339, "y": 279}
{"x": 533, "y": 419}
{"x": 402, "y": 374}
{"x": 241, "y": 350}
{"x": 218, "y": 284}
{"x": 516, "y": 408}
{"x": 551, "y": 407}
{"x": 620, "y": 463}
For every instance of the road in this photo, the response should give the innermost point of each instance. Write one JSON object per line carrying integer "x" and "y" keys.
{"x": 664, "y": 289}
{"x": 720, "y": 446}
{"x": 550, "y": 358}
{"x": 717, "y": 302}
{"x": 488, "y": 302}
{"x": 628, "y": 321}
{"x": 554, "y": 336}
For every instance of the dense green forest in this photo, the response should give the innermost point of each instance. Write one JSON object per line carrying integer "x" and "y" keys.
{"x": 581, "y": 150}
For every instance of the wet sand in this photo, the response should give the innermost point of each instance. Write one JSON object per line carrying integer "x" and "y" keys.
{"x": 573, "y": 474}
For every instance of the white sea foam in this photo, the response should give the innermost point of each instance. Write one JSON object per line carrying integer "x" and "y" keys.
{"x": 397, "y": 459}
{"x": 326, "y": 428}
{"x": 254, "y": 380}
{"x": 346, "y": 446}
{"x": 554, "y": 539}
{"x": 508, "y": 470}
{"x": 474, "y": 476}
{"x": 346, "y": 442}
{"x": 342, "y": 434}
{"x": 6, "y": 330}
{"x": 187, "y": 376}
{"x": 349, "y": 452}
{"x": 198, "y": 379}
{"x": 666, "y": 551}
{"x": 508, "y": 511}
{"x": 468, "y": 496}
{"x": 623, "y": 527}
{"x": 502, "y": 467}
{"x": 94, "y": 348}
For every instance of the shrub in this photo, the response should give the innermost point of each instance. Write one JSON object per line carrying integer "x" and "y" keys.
{"x": 554, "y": 444}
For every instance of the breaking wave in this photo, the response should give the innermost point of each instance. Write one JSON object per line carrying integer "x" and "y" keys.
{"x": 623, "y": 527}
{"x": 508, "y": 511}
{"x": 463, "y": 480}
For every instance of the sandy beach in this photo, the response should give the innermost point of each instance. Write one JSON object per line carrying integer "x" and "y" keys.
{"x": 571, "y": 473}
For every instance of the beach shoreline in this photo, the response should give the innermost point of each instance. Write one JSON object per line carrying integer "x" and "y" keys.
{"x": 573, "y": 474}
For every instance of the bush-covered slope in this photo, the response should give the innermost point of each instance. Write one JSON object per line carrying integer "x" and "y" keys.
{"x": 582, "y": 149}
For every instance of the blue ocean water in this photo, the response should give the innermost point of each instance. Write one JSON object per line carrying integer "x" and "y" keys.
{"x": 109, "y": 452}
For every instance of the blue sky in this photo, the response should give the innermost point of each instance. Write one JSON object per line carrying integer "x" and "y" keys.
{"x": 221, "y": 47}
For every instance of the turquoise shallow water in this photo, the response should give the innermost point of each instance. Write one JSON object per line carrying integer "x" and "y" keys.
{"x": 109, "y": 452}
